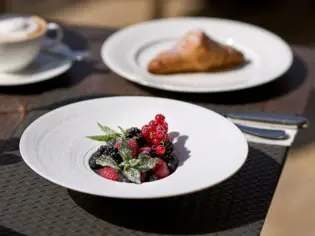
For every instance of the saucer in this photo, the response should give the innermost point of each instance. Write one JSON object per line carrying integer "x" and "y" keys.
{"x": 46, "y": 66}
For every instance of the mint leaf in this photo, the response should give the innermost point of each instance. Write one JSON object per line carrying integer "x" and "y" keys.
{"x": 123, "y": 164}
{"x": 106, "y": 129}
{"x": 124, "y": 150}
{"x": 134, "y": 162}
{"x": 145, "y": 163}
{"x": 123, "y": 131}
{"x": 130, "y": 163}
{"x": 133, "y": 175}
{"x": 104, "y": 138}
{"x": 107, "y": 161}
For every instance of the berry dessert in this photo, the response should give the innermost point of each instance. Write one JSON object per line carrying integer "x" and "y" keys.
{"x": 135, "y": 155}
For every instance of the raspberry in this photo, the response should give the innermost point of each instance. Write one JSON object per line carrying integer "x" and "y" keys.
{"x": 145, "y": 149}
{"x": 161, "y": 169}
{"x": 160, "y": 150}
{"x": 143, "y": 176}
{"x": 160, "y": 118}
{"x": 117, "y": 145}
{"x": 109, "y": 173}
{"x": 133, "y": 147}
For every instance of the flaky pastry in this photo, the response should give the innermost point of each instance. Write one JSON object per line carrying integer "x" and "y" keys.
{"x": 196, "y": 52}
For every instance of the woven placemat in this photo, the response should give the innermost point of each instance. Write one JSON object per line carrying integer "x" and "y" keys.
{"x": 31, "y": 205}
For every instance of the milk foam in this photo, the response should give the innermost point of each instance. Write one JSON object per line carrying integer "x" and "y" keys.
{"x": 16, "y": 27}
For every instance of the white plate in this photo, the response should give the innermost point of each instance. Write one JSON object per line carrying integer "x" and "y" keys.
{"x": 128, "y": 51}
{"x": 210, "y": 148}
{"x": 45, "y": 66}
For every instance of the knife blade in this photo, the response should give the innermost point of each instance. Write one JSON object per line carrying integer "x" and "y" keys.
{"x": 290, "y": 120}
{"x": 273, "y": 134}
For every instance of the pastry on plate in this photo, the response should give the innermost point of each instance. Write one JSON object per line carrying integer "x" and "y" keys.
{"x": 196, "y": 52}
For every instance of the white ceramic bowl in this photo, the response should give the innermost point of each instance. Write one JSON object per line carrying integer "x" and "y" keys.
{"x": 209, "y": 147}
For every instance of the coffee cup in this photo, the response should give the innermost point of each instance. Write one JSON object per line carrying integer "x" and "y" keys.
{"x": 22, "y": 38}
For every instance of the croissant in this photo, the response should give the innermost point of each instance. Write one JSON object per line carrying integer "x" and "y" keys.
{"x": 196, "y": 52}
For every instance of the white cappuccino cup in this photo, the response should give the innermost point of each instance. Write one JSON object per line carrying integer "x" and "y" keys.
{"x": 21, "y": 40}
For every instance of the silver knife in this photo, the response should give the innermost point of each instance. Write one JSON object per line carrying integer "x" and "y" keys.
{"x": 273, "y": 134}
{"x": 290, "y": 120}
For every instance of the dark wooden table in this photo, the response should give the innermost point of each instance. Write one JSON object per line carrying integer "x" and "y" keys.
{"x": 91, "y": 78}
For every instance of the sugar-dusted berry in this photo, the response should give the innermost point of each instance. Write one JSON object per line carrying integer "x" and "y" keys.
{"x": 109, "y": 173}
{"x": 161, "y": 169}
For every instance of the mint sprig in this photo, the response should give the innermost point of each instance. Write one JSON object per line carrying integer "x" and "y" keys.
{"x": 104, "y": 138}
{"x": 123, "y": 131}
{"x": 110, "y": 134}
{"x": 106, "y": 129}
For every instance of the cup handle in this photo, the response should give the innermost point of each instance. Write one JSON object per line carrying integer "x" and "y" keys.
{"x": 51, "y": 26}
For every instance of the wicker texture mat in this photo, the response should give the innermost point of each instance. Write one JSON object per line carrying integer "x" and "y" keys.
{"x": 31, "y": 205}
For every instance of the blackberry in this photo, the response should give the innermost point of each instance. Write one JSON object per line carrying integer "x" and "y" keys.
{"x": 135, "y": 133}
{"x": 123, "y": 178}
{"x": 92, "y": 161}
{"x": 151, "y": 177}
{"x": 172, "y": 163}
{"x": 169, "y": 149}
{"x": 108, "y": 150}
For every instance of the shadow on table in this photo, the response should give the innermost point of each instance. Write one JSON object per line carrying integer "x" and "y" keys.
{"x": 287, "y": 83}
{"x": 79, "y": 71}
{"x": 9, "y": 151}
{"x": 241, "y": 200}
{"x": 4, "y": 231}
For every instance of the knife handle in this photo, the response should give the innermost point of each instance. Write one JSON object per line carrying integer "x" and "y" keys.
{"x": 291, "y": 120}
